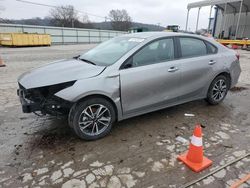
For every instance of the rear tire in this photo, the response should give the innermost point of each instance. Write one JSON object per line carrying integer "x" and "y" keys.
{"x": 92, "y": 119}
{"x": 218, "y": 90}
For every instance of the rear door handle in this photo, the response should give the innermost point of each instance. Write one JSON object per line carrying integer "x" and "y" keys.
{"x": 173, "y": 69}
{"x": 211, "y": 62}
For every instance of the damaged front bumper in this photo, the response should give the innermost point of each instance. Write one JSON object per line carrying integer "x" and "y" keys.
{"x": 43, "y": 100}
{"x": 27, "y": 105}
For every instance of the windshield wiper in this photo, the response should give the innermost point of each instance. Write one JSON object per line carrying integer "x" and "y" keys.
{"x": 87, "y": 61}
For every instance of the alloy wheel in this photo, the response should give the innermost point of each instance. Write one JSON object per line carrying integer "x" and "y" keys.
{"x": 219, "y": 90}
{"x": 94, "y": 119}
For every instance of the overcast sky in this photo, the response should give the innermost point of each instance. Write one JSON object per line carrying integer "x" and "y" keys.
{"x": 165, "y": 12}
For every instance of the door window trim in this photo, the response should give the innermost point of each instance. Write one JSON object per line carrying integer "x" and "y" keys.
{"x": 178, "y": 44}
{"x": 176, "y": 53}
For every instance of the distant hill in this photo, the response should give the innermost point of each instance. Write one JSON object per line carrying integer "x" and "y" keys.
{"x": 108, "y": 26}
{"x": 32, "y": 21}
{"x": 91, "y": 25}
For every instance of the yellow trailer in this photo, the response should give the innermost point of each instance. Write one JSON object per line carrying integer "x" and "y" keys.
{"x": 236, "y": 42}
{"x": 24, "y": 39}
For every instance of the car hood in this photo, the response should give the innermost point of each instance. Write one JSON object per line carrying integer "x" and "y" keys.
{"x": 59, "y": 72}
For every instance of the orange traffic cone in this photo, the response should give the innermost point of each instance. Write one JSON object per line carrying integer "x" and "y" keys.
{"x": 1, "y": 63}
{"x": 194, "y": 158}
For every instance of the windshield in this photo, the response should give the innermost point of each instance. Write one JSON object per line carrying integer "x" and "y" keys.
{"x": 107, "y": 53}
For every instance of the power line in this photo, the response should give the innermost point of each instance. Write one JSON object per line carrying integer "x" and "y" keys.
{"x": 54, "y": 6}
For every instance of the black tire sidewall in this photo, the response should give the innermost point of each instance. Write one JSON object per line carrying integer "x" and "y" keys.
{"x": 210, "y": 99}
{"x": 78, "y": 110}
{"x": 70, "y": 115}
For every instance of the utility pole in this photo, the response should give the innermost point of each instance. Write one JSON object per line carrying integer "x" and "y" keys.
{"x": 198, "y": 17}
{"x": 187, "y": 20}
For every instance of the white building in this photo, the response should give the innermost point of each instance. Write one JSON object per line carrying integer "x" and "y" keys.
{"x": 230, "y": 21}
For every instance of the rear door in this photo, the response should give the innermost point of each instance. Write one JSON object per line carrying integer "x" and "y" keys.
{"x": 199, "y": 60}
{"x": 150, "y": 78}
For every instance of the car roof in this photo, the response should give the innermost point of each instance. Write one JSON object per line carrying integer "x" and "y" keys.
{"x": 154, "y": 35}
{"x": 146, "y": 35}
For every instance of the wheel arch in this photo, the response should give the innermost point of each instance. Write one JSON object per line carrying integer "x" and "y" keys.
{"x": 224, "y": 73}
{"x": 227, "y": 75}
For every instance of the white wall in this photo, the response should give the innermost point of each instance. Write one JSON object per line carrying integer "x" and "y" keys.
{"x": 62, "y": 35}
{"x": 231, "y": 20}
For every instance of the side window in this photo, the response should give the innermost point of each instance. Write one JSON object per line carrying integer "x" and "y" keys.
{"x": 191, "y": 47}
{"x": 155, "y": 52}
{"x": 211, "y": 49}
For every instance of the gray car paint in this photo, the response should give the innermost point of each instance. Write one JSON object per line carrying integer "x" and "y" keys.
{"x": 143, "y": 89}
{"x": 59, "y": 72}
{"x": 150, "y": 85}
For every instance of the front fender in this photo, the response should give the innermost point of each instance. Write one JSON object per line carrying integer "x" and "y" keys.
{"x": 100, "y": 85}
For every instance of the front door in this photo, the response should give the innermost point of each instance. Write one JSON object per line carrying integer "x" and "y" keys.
{"x": 152, "y": 78}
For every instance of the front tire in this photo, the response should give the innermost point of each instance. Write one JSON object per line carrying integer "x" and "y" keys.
{"x": 218, "y": 90}
{"x": 93, "y": 118}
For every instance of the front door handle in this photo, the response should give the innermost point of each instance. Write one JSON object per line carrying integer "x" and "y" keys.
{"x": 211, "y": 62}
{"x": 173, "y": 69}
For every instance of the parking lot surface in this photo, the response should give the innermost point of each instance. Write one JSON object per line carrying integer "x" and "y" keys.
{"x": 139, "y": 152}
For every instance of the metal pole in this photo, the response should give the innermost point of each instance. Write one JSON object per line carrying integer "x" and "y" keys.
{"x": 187, "y": 19}
{"x": 100, "y": 39}
{"x": 62, "y": 36}
{"x": 89, "y": 37}
{"x": 215, "y": 21}
{"x": 77, "y": 40}
{"x": 243, "y": 31}
{"x": 237, "y": 27}
{"x": 198, "y": 17}
{"x": 224, "y": 19}
{"x": 209, "y": 23}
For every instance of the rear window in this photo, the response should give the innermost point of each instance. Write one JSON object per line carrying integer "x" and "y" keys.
{"x": 211, "y": 49}
{"x": 191, "y": 47}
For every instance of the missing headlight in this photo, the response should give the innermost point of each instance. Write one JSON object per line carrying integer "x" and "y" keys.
{"x": 52, "y": 89}
{"x": 43, "y": 99}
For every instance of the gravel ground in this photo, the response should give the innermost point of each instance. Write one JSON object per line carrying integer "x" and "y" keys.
{"x": 140, "y": 152}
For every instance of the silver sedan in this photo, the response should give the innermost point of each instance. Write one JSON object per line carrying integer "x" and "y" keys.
{"x": 128, "y": 76}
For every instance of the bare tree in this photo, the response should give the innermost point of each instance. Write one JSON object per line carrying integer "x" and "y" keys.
{"x": 64, "y": 16}
{"x": 85, "y": 19}
{"x": 120, "y": 19}
{"x": 85, "y": 23}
